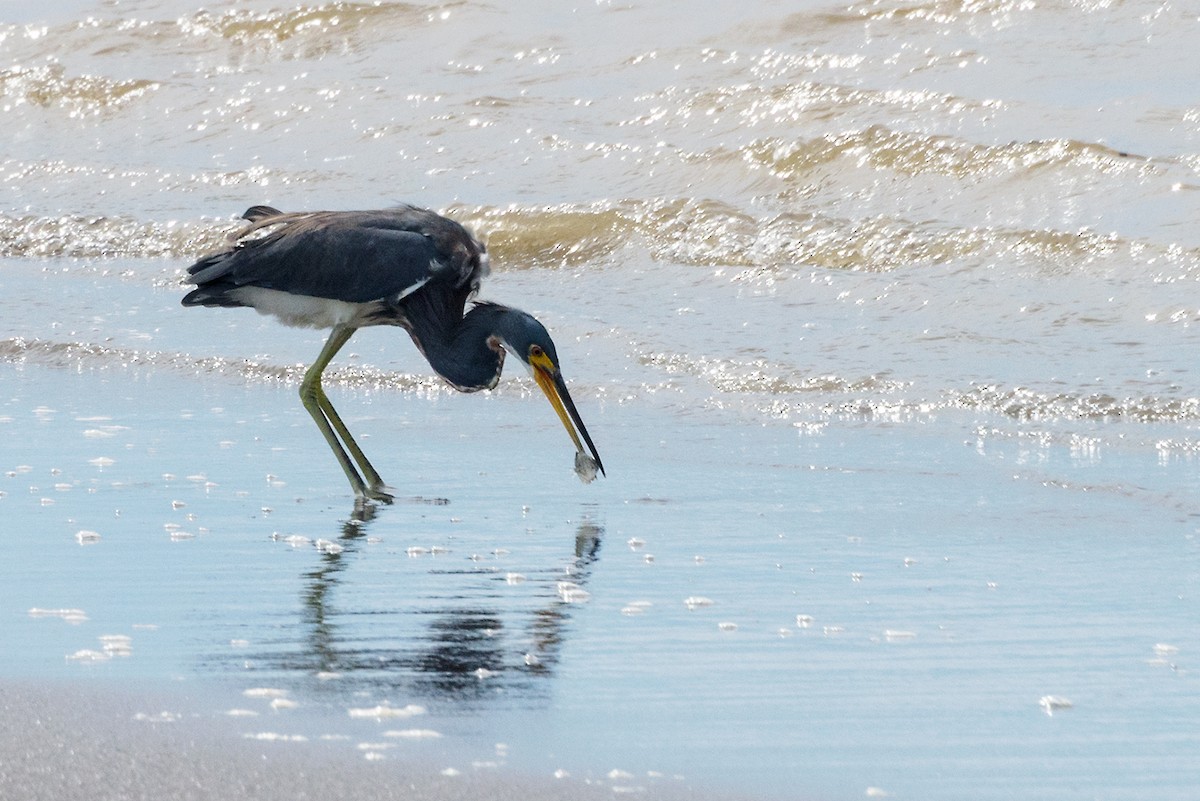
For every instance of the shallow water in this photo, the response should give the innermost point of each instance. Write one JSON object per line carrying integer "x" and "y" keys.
{"x": 881, "y": 315}
{"x": 868, "y": 608}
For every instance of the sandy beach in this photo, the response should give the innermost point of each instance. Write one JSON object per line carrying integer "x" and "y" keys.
{"x": 102, "y": 743}
{"x": 639, "y": 633}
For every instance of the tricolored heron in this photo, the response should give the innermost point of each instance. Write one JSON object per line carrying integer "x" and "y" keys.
{"x": 406, "y": 266}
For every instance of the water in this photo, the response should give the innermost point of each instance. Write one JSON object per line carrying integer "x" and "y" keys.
{"x": 880, "y": 314}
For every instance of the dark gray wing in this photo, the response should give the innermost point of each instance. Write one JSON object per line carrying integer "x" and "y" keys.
{"x": 354, "y": 256}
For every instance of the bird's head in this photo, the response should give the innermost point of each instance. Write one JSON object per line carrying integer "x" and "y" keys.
{"x": 527, "y": 339}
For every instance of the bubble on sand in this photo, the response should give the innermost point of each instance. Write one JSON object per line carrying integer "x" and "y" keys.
{"x": 727, "y": 626}
{"x": 329, "y": 546}
{"x": 73, "y": 616}
{"x": 1053, "y": 703}
{"x": 161, "y": 717}
{"x": 804, "y": 621}
{"x": 514, "y": 578}
{"x": 283, "y": 703}
{"x": 571, "y": 593}
{"x": 87, "y": 537}
{"x": 635, "y": 543}
{"x": 117, "y": 644}
{"x": 386, "y": 711}
{"x": 264, "y": 692}
{"x": 276, "y": 737}
{"x": 451, "y": 772}
{"x": 894, "y": 635}
{"x": 1164, "y": 655}
{"x": 627, "y": 789}
{"x": 413, "y": 734}
{"x": 88, "y": 655}
{"x": 697, "y": 602}
{"x": 635, "y": 607}
{"x": 242, "y": 713}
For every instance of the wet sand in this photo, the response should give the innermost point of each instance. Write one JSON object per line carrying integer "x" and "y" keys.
{"x": 738, "y": 609}
{"x": 63, "y": 741}
{"x": 188, "y": 539}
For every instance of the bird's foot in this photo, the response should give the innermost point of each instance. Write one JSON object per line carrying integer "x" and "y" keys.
{"x": 376, "y": 493}
{"x": 365, "y": 502}
{"x": 379, "y": 492}
{"x": 382, "y": 493}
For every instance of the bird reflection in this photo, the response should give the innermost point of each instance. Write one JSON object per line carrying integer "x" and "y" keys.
{"x": 549, "y": 621}
{"x": 463, "y": 647}
{"x": 471, "y": 640}
{"x": 322, "y": 637}
{"x": 587, "y": 543}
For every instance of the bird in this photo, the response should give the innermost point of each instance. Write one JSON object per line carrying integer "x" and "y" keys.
{"x": 404, "y": 266}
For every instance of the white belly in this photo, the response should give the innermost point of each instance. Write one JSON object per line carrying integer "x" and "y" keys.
{"x": 301, "y": 311}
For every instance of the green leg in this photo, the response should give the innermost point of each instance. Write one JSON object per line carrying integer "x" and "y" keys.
{"x": 323, "y": 414}
{"x": 375, "y": 487}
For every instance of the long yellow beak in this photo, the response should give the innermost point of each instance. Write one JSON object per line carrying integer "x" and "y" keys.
{"x": 551, "y": 382}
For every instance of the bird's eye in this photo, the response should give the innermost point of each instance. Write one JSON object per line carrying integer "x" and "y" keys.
{"x": 536, "y": 350}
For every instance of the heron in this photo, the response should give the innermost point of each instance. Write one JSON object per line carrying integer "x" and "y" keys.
{"x": 405, "y": 266}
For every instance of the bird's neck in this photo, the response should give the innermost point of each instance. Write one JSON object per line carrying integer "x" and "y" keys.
{"x": 466, "y": 354}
